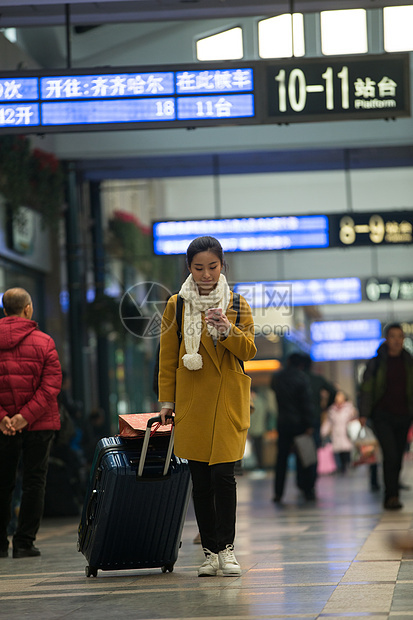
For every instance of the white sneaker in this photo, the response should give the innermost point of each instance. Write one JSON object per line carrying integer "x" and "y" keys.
{"x": 211, "y": 565}
{"x": 228, "y": 562}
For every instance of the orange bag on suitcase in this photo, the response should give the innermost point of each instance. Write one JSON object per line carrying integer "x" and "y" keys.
{"x": 134, "y": 425}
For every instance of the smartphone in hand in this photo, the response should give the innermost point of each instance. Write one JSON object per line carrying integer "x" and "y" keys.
{"x": 213, "y": 314}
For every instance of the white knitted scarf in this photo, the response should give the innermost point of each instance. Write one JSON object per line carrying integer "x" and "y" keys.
{"x": 194, "y": 305}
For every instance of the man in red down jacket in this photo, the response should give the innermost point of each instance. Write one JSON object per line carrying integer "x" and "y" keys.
{"x": 30, "y": 381}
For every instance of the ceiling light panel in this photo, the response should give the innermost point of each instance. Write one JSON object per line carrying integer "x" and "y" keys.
{"x": 226, "y": 45}
{"x": 281, "y": 36}
{"x": 344, "y": 32}
{"x": 398, "y": 28}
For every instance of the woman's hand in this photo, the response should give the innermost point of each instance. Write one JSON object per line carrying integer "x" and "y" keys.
{"x": 165, "y": 411}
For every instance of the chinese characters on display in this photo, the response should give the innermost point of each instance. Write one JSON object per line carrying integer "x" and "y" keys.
{"x": 264, "y": 92}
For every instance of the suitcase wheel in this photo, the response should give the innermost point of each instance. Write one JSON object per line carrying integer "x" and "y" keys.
{"x": 91, "y": 571}
{"x": 167, "y": 568}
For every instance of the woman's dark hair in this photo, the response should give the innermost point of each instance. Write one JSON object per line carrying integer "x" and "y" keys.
{"x": 204, "y": 244}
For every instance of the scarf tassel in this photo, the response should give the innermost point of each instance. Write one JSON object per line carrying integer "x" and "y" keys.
{"x": 192, "y": 361}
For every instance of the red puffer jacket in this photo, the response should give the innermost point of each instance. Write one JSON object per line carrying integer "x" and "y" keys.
{"x": 30, "y": 374}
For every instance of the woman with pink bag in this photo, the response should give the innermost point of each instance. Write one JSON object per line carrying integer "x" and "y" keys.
{"x": 341, "y": 412}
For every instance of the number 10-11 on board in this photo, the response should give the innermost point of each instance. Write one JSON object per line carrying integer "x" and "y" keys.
{"x": 334, "y": 89}
{"x": 295, "y": 89}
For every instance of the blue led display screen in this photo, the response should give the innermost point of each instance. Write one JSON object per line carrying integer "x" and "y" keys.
{"x": 220, "y": 80}
{"x": 301, "y": 292}
{"x": 244, "y": 234}
{"x": 347, "y": 350}
{"x": 19, "y": 115}
{"x": 360, "y": 329}
{"x": 107, "y": 85}
{"x": 229, "y": 106}
{"x": 24, "y": 89}
{"x": 114, "y": 111}
{"x": 345, "y": 340}
{"x": 146, "y": 98}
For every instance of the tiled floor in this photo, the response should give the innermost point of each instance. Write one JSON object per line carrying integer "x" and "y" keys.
{"x": 329, "y": 559}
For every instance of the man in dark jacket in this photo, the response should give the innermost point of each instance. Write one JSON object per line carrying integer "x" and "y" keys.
{"x": 30, "y": 381}
{"x": 386, "y": 397}
{"x": 295, "y": 417}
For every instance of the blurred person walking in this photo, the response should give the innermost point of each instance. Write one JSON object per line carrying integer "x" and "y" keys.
{"x": 386, "y": 398}
{"x": 263, "y": 420}
{"x": 323, "y": 394}
{"x": 295, "y": 417}
{"x": 341, "y": 412}
{"x": 30, "y": 381}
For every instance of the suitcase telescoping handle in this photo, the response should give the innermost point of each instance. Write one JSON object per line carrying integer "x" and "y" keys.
{"x": 146, "y": 438}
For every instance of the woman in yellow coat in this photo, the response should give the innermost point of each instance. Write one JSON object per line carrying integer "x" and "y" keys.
{"x": 202, "y": 380}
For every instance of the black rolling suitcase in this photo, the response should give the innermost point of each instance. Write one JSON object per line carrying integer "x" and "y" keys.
{"x": 136, "y": 504}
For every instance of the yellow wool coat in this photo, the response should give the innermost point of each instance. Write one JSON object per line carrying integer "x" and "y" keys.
{"x": 212, "y": 405}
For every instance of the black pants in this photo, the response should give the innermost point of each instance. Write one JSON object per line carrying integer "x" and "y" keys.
{"x": 391, "y": 431}
{"x": 305, "y": 475}
{"x": 373, "y": 471}
{"x": 34, "y": 448}
{"x": 343, "y": 461}
{"x": 310, "y": 476}
{"x": 258, "y": 443}
{"x": 215, "y": 502}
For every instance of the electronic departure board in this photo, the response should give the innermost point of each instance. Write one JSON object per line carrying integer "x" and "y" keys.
{"x": 345, "y": 340}
{"x": 395, "y": 288}
{"x": 289, "y": 232}
{"x": 202, "y": 95}
{"x": 371, "y": 228}
{"x": 340, "y": 331}
{"x": 337, "y": 88}
{"x": 312, "y": 292}
{"x": 125, "y": 99}
{"x": 249, "y": 234}
{"x": 345, "y": 350}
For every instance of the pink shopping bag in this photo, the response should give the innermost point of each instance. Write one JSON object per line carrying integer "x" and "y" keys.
{"x": 326, "y": 463}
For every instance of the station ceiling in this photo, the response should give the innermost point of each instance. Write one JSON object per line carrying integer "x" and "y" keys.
{"x": 26, "y": 13}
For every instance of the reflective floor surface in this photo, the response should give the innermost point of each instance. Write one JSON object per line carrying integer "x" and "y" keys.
{"x": 327, "y": 559}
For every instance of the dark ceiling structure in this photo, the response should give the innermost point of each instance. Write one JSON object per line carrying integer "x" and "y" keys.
{"x": 25, "y": 13}
{"x": 85, "y": 14}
